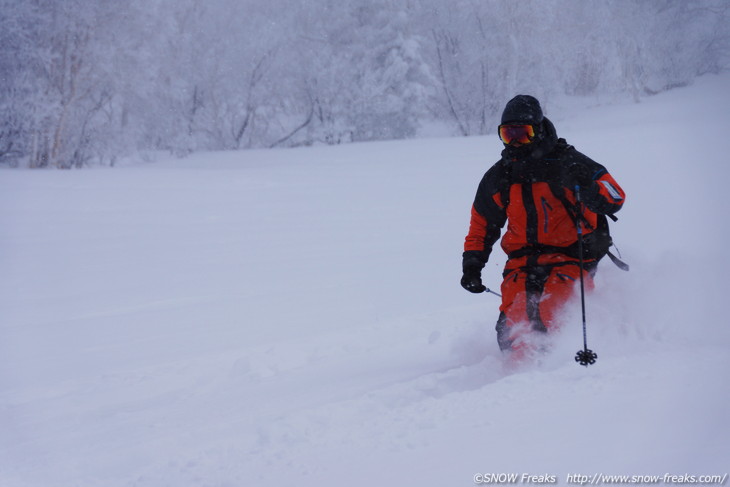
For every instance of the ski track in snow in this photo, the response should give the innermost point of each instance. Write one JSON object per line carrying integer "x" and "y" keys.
{"x": 294, "y": 316}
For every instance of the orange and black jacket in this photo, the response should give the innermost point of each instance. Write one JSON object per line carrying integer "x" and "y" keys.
{"x": 536, "y": 197}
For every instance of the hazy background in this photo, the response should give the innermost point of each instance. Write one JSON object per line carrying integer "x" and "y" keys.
{"x": 87, "y": 82}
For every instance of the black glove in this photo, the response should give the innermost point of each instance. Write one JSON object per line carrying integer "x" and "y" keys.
{"x": 581, "y": 174}
{"x": 472, "y": 280}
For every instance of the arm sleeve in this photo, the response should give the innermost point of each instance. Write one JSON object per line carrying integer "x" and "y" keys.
{"x": 488, "y": 216}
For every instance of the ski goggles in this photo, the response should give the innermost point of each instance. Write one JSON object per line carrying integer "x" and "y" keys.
{"x": 516, "y": 133}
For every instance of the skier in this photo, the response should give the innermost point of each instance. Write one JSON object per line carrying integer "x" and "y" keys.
{"x": 533, "y": 189}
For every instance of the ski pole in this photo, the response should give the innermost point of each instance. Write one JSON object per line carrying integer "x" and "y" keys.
{"x": 586, "y": 356}
{"x": 490, "y": 291}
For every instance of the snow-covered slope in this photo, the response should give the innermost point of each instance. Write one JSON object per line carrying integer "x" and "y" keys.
{"x": 294, "y": 317}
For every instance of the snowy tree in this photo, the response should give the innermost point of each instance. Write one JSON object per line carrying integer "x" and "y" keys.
{"x": 60, "y": 82}
{"x": 391, "y": 78}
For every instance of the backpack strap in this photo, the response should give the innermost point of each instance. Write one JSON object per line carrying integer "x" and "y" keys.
{"x": 619, "y": 263}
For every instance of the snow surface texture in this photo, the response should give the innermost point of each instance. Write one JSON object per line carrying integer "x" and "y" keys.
{"x": 294, "y": 317}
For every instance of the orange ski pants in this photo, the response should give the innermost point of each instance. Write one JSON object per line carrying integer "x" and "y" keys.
{"x": 533, "y": 299}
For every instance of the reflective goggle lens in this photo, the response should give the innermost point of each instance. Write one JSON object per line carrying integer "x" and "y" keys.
{"x": 522, "y": 134}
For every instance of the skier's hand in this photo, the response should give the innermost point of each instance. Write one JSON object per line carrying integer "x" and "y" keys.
{"x": 580, "y": 174}
{"x": 472, "y": 280}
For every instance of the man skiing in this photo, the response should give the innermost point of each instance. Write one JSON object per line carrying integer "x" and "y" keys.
{"x": 534, "y": 189}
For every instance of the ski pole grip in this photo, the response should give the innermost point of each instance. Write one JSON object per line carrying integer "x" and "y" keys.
{"x": 578, "y": 224}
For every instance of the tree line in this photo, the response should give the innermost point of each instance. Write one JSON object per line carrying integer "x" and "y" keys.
{"x": 89, "y": 81}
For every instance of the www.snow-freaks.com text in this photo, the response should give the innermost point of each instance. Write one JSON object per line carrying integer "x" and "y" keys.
{"x": 666, "y": 478}
{"x": 599, "y": 479}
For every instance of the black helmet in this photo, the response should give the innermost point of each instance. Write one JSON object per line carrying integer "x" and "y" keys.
{"x": 523, "y": 109}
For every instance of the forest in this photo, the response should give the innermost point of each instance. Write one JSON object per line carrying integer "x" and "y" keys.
{"x": 88, "y": 82}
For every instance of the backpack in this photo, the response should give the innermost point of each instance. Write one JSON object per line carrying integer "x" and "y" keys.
{"x": 596, "y": 244}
